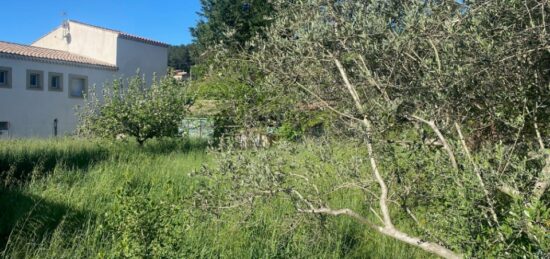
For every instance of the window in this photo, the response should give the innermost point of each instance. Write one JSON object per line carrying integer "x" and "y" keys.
{"x": 4, "y": 125}
{"x": 78, "y": 86}
{"x": 55, "y": 81}
{"x": 35, "y": 79}
{"x": 5, "y": 77}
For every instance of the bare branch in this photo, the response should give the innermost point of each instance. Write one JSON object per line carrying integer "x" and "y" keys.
{"x": 340, "y": 212}
{"x": 412, "y": 216}
{"x": 539, "y": 137}
{"x": 509, "y": 154}
{"x": 543, "y": 14}
{"x": 349, "y": 86}
{"x": 301, "y": 197}
{"x": 383, "y": 200}
{"x": 390, "y": 231}
{"x": 446, "y": 145}
{"x": 366, "y": 123}
{"x": 436, "y": 56}
{"x": 376, "y": 214}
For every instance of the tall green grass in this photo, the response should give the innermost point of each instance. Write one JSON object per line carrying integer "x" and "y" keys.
{"x": 98, "y": 199}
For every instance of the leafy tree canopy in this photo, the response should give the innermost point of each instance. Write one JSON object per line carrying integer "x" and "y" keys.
{"x": 134, "y": 109}
{"x": 231, "y": 22}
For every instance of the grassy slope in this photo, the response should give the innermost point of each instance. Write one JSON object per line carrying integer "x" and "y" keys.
{"x": 91, "y": 199}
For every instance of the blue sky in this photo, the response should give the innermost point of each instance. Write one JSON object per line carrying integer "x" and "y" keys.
{"x": 164, "y": 20}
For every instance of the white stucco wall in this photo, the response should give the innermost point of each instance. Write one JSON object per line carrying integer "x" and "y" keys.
{"x": 105, "y": 45}
{"x": 134, "y": 55}
{"x": 84, "y": 40}
{"x": 31, "y": 112}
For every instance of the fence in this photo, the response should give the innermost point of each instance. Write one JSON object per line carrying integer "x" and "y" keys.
{"x": 197, "y": 128}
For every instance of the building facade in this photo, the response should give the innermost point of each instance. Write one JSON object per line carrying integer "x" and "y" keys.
{"x": 41, "y": 85}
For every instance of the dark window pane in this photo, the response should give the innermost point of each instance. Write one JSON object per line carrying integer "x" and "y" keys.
{"x": 78, "y": 87}
{"x": 4, "y": 125}
{"x": 34, "y": 80}
{"x": 55, "y": 82}
{"x": 3, "y": 77}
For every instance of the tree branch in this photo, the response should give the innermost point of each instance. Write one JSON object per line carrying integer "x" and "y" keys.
{"x": 436, "y": 56}
{"x": 446, "y": 145}
{"x": 539, "y": 137}
{"x": 383, "y": 200}
{"x": 349, "y": 86}
{"x": 389, "y": 231}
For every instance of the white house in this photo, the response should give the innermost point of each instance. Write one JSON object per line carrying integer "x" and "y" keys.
{"x": 41, "y": 84}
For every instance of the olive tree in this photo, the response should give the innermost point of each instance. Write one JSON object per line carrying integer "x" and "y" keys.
{"x": 451, "y": 102}
{"x": 132, "y": 108}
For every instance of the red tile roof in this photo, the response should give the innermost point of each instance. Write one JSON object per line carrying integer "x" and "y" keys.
{"x": 50, "y": 55}
{"x": 126, "y": 35}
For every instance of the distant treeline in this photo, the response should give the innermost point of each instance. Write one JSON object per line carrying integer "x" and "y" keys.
{"x": 181, "y": 57}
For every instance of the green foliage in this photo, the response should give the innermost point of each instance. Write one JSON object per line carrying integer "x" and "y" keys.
{"x": 485, "y": 65}
{"x": 135, "y": 110}
{"x": 231, "y": 23}
{"x": 225, "y": 34}
{"x": 299, "y": 124}
{"x": 247, "y": 104}
{"x": 288, "y": 132}
{"x": 147, "y": 227}
{"x": 182, "y": 57}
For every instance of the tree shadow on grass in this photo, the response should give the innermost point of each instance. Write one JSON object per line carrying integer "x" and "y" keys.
{"x": 18, "y": 166}
{"x": 33, "y": 218}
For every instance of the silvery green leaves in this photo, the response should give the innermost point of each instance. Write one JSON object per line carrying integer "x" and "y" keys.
{"x": 385, "y": 63}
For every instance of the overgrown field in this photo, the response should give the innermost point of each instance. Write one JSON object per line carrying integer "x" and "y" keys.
{"x": 79, "y": 198}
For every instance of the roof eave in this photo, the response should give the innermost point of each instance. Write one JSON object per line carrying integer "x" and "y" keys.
{"x": 144, "y": 41}
{"x": 56, "y": 61}
{"x": 125, "y": 35}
